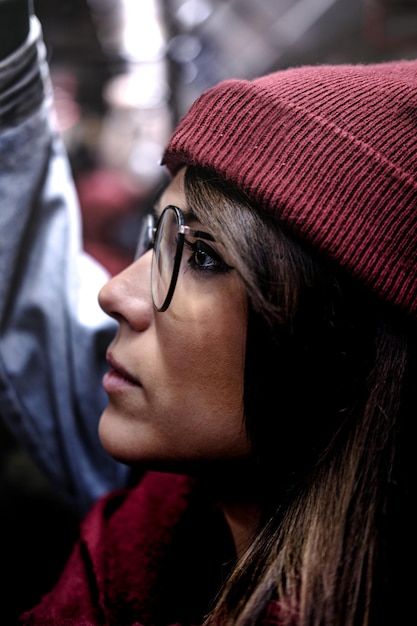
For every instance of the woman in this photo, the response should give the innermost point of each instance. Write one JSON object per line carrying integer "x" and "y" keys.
{"x": 262, "y": 376}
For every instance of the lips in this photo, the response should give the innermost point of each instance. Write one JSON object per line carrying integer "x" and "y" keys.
{"x": 117, "y": 370}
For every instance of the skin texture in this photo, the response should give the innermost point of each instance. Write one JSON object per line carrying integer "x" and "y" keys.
{"x": 175, "y": 384}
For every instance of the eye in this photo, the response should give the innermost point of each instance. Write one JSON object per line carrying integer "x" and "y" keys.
{"x": 203, "y": 258}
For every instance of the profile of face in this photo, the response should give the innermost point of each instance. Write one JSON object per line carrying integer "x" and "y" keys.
{"x": 175, "y": 384}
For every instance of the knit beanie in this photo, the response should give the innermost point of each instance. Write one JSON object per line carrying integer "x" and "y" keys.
{"x": 332, "y": 152}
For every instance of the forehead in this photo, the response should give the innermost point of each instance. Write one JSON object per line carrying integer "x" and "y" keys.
{"x": 174, "y": 193}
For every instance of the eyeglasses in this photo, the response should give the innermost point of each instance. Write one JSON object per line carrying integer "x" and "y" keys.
{"x": 167, "y": 241}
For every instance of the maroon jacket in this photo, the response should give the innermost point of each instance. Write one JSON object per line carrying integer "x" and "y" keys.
{"x": 153, "y": 555}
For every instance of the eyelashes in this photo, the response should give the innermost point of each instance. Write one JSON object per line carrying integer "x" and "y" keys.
{"x": 201, "y": 257}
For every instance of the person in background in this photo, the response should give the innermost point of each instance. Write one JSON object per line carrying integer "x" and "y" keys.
{"x": 110, "y": 206}
{"x": 53, "y": 334}
{"x": 262, "y": 376}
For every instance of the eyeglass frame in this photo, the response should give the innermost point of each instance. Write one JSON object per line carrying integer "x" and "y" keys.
{"x": 148, "y": 237}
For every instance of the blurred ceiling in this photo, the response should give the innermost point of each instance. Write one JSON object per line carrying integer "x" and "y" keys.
{"x": 124, "y": 71}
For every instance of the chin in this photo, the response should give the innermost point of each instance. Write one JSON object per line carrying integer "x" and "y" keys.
{"x": 115, "y": 442}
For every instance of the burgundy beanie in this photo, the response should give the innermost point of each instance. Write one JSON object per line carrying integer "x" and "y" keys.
{"x": 331, "y": 151}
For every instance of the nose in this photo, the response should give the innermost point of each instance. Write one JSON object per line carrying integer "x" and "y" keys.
{"x": 127, "y": 296}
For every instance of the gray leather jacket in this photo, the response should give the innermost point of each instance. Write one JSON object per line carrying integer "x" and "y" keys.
{"x": 53, "y": 335}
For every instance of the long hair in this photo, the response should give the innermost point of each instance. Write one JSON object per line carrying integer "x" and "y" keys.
{"x": 329, "y": 399}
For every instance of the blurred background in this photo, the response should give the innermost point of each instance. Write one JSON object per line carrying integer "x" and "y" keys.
{"x": 123, "y": 73}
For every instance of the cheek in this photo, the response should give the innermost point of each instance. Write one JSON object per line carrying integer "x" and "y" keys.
{"x": 213, "y": 344}
{"x": 208, "y": 335}
{"x": 205, "y": 359}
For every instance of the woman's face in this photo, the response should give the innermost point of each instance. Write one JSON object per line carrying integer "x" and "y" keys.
{"x": 175, "y": 384}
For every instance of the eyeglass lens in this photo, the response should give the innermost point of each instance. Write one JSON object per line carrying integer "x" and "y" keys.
{"x": 166, "y": 258}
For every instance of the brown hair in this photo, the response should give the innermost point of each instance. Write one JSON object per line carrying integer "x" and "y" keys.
{"x": 328, "y": 406}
